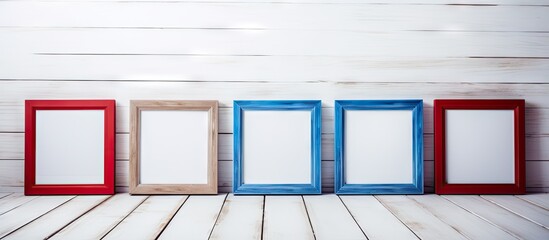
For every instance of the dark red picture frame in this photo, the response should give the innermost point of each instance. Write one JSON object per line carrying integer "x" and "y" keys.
{"x": 441, "y": 186}
{"x": 31, "y": 106}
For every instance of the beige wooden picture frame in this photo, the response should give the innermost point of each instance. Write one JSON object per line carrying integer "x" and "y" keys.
{"x": 173, "y": 147}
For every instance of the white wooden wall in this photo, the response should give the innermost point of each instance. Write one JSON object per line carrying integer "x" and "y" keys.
{"x": 273, "y": 49}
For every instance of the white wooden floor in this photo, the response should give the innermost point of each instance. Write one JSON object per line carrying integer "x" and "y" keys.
{"x": 226, "y": 216}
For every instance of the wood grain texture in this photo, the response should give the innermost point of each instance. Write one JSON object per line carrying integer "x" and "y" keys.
{"x": 330, "y": 219}
{"x": 276, "y": 42}
{"x": 136, "y": 187}
{"x": 102, "y": 219}
{"x": 195, "y": 219}
{"x": 541, "y": 200}
{"x": 225, "y": 92}
{"x": 466, "y": 223}
{"x": 241, "y": 218}
{"x": 514, "y": 224}
{"x": 13, "y": 201}
{"x": 56, "y": 219}
{"x": 149, "y": 219}
{"x": 258, "y": 68}
{"x": 418, "y": 219}
{"x": 20, "y": 216}
{"x": 349, "y": 17}
{"x": 375, "y": 220}
{"x": 285, "y": 217}
{"x": 522, "y": 208}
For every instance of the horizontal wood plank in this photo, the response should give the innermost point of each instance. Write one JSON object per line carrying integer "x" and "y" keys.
{"x": 266, "y": 68}
{"x": 354, "y": 17}
{"x": 482, "y": 3}
{"x": 279, "y": 42}
{"x": 15, "y": 92}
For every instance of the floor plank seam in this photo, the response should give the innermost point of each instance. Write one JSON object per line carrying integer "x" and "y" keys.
{"x": 513, "y": 212}
{"x": 171, "y": 218}
{"x": 129, "y": 213}
{"x": 389, "y": 209}
{"x": 536, "y": 204}
{"x": 483, "y": 218}
{"x": 19, "y": 205}
{"x": 263, "y": 216}
{"x": 79, "y": 216}
{"x": 218, "y": 214}
{"x": 440, "y": 219}
{"x": 36, "y": 218}
{"x": 308, "y": 217}
{"x": 6, "y": 195}
{"x": 352, "y": 216}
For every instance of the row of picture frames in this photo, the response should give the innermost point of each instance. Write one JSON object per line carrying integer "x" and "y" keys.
{"x": 479, "y": 147}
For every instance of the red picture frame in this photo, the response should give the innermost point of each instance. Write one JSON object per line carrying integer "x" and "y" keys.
{"x": 107, "y": 187}
{"x": 441, "y": 184}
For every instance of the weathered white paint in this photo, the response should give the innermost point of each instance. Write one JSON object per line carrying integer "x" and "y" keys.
{"x": 154, "y": 213}
{"x": 102, "y": 219}
{"x": 285, "y": 217}
{"x": 330, "y": 219}
{"x": 322, "y": 217}
{"x": 57, "y": 218}
{"x": 196, "y": 218}
{"x": 237, "y": 212}
{"x": 418, "y": 219}
{"x": 20, "y": 216}
{"x": 375, "y": 220}
{"x": 514, "y": 224}
{"x": 466, "y": 223}
{"x": 273, "y": 49}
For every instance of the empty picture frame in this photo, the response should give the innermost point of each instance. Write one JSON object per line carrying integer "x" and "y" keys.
{"x": 378, "y": 147}
{"x": 479, "y": 146}
{"x": 173, "y": 147}
{"x": 69, "y": 147}
{"x": 277, "y": 147}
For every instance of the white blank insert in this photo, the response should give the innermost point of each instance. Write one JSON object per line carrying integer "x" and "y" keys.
{"x": 378, "y": 146}
{"x": 276, "y": 147}
{"x": 173, "y": 147}
{"x": 70, "y": 146}
{"x": 480, "y": 146}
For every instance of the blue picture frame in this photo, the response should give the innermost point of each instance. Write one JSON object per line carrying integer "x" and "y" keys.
{"x": 416, "y": 187}
{"x": 241, "y": 188}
